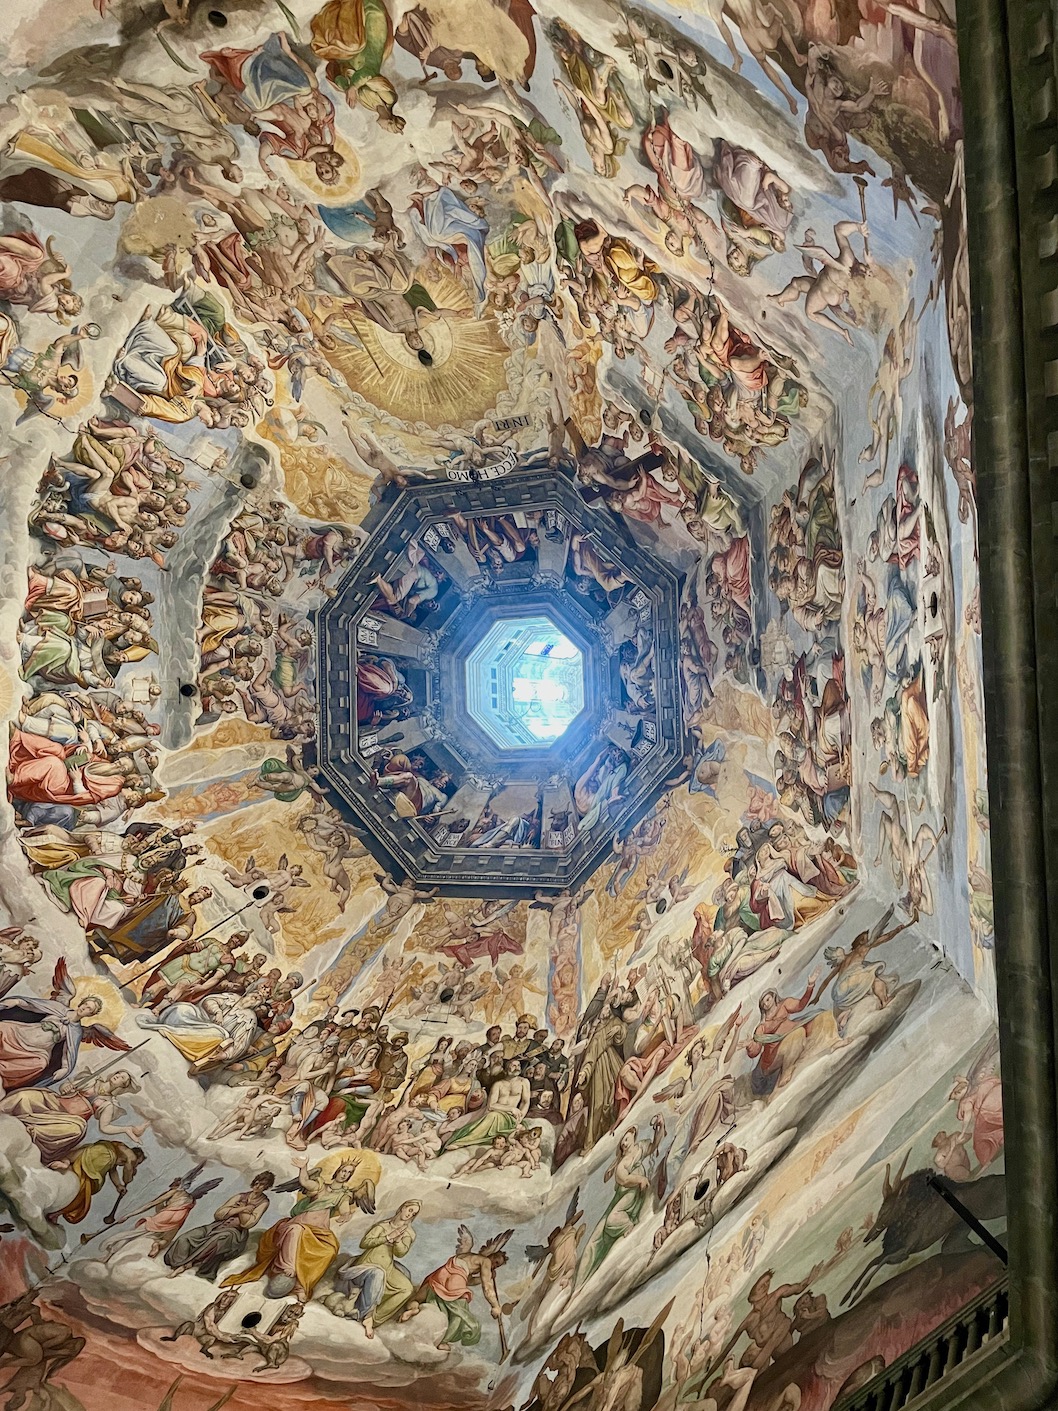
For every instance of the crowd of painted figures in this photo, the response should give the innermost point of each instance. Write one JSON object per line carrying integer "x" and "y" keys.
{"x": 248, "y": 291}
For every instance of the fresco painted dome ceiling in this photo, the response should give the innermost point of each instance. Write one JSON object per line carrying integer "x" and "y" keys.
{"x": 497, "y": 906}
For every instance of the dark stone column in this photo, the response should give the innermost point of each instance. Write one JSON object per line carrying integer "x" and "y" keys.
{"x": 1008, "y": 82}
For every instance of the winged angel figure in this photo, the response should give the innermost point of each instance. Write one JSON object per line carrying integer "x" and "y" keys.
{"x": 907, "y": 856}
{"x": 554, "y": 1262}
{"x": 40, "y": 1039}
{"x": 979, "y": 1098}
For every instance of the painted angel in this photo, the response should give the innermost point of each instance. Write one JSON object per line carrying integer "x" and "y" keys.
{"x": 979, "y": 1096}
{"x": 40, "y": 1039}
{"x": 555, "y": 1263}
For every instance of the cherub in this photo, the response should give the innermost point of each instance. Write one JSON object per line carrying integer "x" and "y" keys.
{"x": 828, "y": 281}
{"x": 252, "y": 1116}
{"x": 280, "y": 881}
{"x": 337, "y": 843}
{"x": 491, "y": 1159}
{"x": 512, "y": 987}
{"x": 402, "y": 896}
{"x": 527, "y": 1148}
{"x": 416, "y": 1147}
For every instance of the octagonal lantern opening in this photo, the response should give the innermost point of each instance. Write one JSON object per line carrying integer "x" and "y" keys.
{"x": 525, "y": 681}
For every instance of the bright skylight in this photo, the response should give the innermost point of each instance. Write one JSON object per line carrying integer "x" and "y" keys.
{"x": 525, "y": 682}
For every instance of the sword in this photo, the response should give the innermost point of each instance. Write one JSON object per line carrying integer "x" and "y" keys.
{"x": 98, "y": 1072}
{"x": 223, "y": 921}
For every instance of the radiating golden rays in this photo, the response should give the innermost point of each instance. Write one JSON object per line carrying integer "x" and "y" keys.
{"x": 341, "y": 192}
{"x": 459, "y": 386}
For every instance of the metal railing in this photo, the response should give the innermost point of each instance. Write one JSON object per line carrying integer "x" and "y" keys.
{"x": 947, "y": 1348}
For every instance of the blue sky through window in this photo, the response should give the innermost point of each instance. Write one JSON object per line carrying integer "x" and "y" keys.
{"x": 525, "y": 682}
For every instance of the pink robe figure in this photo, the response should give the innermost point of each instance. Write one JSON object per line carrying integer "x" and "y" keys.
{"x": 648, "y": 499}
{"x": 742, "y": 177}
{"x": 678, "y": 166}
{"x": 21, "y": 257}
{"x": 25, "y": 1050}
{"x": 168, "y": 1220}
{"x": 984, "y": 1107}
{"x": 450, "y": 1282}
{"x": 731, "y": 568}
{"x": 38, "y": 773}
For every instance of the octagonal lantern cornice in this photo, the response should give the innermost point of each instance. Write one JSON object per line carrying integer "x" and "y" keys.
{"x": 436, "y": 798}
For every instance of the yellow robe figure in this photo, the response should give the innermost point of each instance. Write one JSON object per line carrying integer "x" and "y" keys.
{"x": 355, "y": 38}
{"x": 50, "y": 847}
{"x": 219, "y": 621}
{"x": 186, "y": 382}
{"x": 300, "y": 1247}
{"x": 296, "y": 1252}
{"x": 92, "y": 1164}
{"x": 625, "y": 270}
{"x": 380, "y": 1248}
{"x": 807, "y": 909}
{"x": 108, "y": 180}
